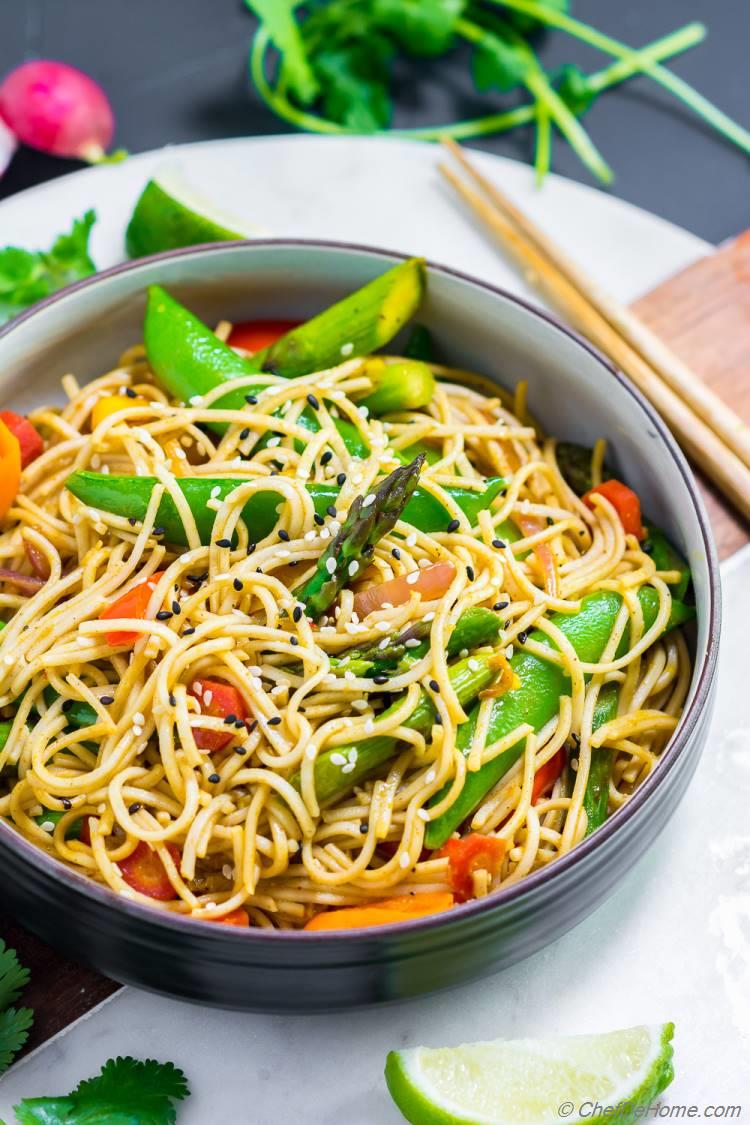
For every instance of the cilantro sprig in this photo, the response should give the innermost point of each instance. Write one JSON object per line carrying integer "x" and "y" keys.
{"x": 27, "y": 276}
{"x": 14, "y": 1022}
{"x": 126, "y": 1091}
{"x": 334, "y": 61}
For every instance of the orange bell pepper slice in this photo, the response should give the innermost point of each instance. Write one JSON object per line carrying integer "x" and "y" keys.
{"x": 624, "y": 501}
{"x": 238, "y": 917}
{"x": 10, "y": 469}
{"x": 132, "y": 604}
{"x": 431, "y": 582}
{"x": 403, "y": 908}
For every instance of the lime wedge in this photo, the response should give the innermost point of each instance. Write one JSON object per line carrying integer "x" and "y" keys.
{"x": 533, "y": 1081}
{"x": 169, "y": 214}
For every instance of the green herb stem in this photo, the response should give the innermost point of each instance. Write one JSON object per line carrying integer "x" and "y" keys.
{"x": 681, "y": 89}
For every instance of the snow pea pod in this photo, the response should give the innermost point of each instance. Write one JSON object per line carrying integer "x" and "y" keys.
{"x": 536, "y": 701}
{"x": 129, "y": 497}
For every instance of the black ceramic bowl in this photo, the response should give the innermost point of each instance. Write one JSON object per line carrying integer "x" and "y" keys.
{"x": 577, "y": 395}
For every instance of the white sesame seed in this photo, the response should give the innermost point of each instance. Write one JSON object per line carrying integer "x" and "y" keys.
{"x": 348, "y": 768}
{"x": 369, "y": 499}
{"x": 138, "y": 719}
{"x": 310, "y": 752}
{"x": 338, "y": 759}
{"x": 196, "y": 400}
{"x": 353, "y": 568}
{"x": 412, "y": 642}
{"x": 207, "y": 697}
{"x": 429, "y": 617}
{"x": 430, "y": 777}
{"x": 411, "y": 540}
{"x": 283, "y": 554}
{"x": 47, "y": 826}
{"x": 423, "y": 814}
{"x": 383, "y": 626}
{"x": 413, "y": 577}
{"x": 360, "y": 704}
{"x": 227, "y": 871}
{"x": 310, "y": 535}
{"x": 347, "y": 349}
{"x": 473, "y": 664}
{"x": 404, "y": 859}
{"x": 325, "y": 533}
{"x": 215, "y": 491}
{"x": 273, "y": 442}
{"x": 369, "y": 726}
{"x": 331, "y": 566}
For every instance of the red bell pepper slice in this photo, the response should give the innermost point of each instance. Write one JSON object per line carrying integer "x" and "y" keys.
{"x": 546, "y": 776}
{"x": 144, "y": 871}
{"x": 472, "y": 853}
{"x": 219, "y": 700}
{"x": 29, "y": 439}
{"x": 624, "y": 501}
{"x": 254, "y": 335}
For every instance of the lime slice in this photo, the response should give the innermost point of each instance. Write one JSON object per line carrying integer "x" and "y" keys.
{"x": 169, "y": 214}
{"x": 532, "y": 1081}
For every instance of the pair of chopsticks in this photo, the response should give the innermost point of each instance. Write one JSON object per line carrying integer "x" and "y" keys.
{"x": 710, "y": 432}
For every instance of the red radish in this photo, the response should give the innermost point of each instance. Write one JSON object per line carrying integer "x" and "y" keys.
{"x": 8, "y": 146}
{"x": 57, "y": 109}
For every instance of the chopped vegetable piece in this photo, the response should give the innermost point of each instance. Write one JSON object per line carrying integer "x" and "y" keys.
{"x": 238, "y": 917}
{"x": 624, "y": 501}
{"x": 386, "y": 912}
{"x": 546, "y": 776}
{"x": 255, "y": 335}
{"x": 112, "y": 404}
{"x": 58, "y": 109}
{"x": 468, "y": 855}
{"x": 532, "y": 525}
{"x": 403, "y": 385}
{"x": 29, "y": 438}
{"x": 219, "y": 700}
{"x": 132, "y": 604}
{"x": 10, "y": 468}
{"x": 430, "y": 582}
{"x": 367, "y": 521}
{"x": 144, "y": 871}
{"x": 27, "y": 276}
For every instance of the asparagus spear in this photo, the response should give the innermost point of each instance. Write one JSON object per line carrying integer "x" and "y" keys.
{"x": 338, "y": 770}
{"x": 475, "y": 627}
{"x": 367, "y": 521}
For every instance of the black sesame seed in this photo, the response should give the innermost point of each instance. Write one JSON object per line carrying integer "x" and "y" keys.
{"x": 550, "y": 521}
{"x": 523, "y": 637}
{"x": 240, "y": 724}
{"x": 189, "y": 631}
{"x": 396, "y": 553}
{"x": 106, "y": 699}
{"x": 341, "y": 480}
{"x": 176, "y": 608}
{"x": 297, "y": 613}
{"x": 252, "y": 399}
{"x": 647, "y": 547}
{"x": 163, "y": 615}
{"x": 363, "y": 829}
{"x": 241, "y": 750}
{"x": 252, "y": 548}
{"x": 294, "y": 640}
{"x": 313, "y": 401}
{"x": 453, "y": 525}
{"x": 67, "y": 704}
{"x": 274, "y": 722}
{"x": 434, "y": 685}
{"x": 251, "y": 725}
{"x": 223, "y": 542}
{"x": 500, "y": 605}
{"x": 132, "y": 521}
{"x": 130, "y": 392}
{"x": 245, "y": 434}
{"x": 437, "y": 721}
{"x": 172, "y": 700}
{"x": 230, "y": 720}
{"x": 66, "y": 804}
{"x": 332, "y": 511}
{"x": 135, "y": 807}
{"x": 327, "y": 456}
{"x": 258, "y": 570}
{"x": 575, "y": 738}
{"x": 284, "y": 535}
{"x": 498, "y": 544}
{"x": 159, "y": 531}
{"x": 238, "y": 584}
{"x": 380, "y": 679}
{"x": 470, "y": 573}
{"x": 319, "y": 520}
{"x": 213, "y": 778}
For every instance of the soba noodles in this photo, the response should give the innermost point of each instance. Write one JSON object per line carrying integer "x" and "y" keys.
{"x": 234, "y": 826}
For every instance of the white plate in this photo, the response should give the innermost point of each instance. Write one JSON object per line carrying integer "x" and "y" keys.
{"x": 383, "y": 192}
{"x": 673, "y": 942}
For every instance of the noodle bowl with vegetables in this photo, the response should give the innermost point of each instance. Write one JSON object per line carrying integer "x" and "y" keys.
{"x": 301, "y": 636}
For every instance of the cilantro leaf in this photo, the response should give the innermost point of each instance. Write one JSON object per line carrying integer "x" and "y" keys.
{"x": 421, "y": 27}
{"x": 13, "y": 976}
{"x": 14, "y": 1031}
{"x": 27, "y": 276}
{"x": 496, "y": 63}
{"x": 278, "y": 18}
{"x": 573, "y": 86}
{"x": 529, "y": 25}
{"x": 126, "y": 1091}
{"x": 354, "y": 78}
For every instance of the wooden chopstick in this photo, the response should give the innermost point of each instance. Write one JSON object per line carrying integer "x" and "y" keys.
{"x": 705, "y": 446}
{"x": 710, "y": 407}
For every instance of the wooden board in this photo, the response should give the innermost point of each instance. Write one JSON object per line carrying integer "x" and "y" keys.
{"x": 704, "y": 314}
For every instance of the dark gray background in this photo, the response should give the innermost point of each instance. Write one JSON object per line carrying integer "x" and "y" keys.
{"x": 175, "y": 71}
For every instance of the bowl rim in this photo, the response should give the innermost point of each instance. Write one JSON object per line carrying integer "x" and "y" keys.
{"x": 230, "y": 937}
